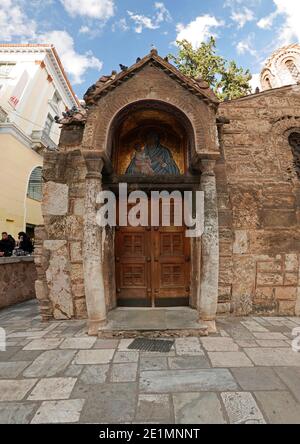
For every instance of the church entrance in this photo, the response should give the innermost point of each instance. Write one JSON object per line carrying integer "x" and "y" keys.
{"x": 150, "y": 145}
{"x": 152, "y": 266}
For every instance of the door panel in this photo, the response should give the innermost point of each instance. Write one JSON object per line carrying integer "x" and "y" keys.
{"x": 171, "y": 267}
{"x": 152, "y": 266}
{"x": 133, "y": 267}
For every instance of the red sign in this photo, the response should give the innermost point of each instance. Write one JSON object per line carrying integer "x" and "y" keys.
{"x": 19, "y": 89}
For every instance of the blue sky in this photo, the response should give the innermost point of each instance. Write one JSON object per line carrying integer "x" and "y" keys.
{"x": 93, "y": 36}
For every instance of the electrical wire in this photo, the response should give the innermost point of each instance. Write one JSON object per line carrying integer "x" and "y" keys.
{"x": 27, "y": 120}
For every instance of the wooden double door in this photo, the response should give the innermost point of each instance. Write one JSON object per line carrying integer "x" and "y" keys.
{"x": 152, "y": 266}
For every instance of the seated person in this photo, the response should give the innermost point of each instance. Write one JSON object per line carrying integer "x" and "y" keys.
{"x": 6, "y": 245}
{"x": 25, "y": 243}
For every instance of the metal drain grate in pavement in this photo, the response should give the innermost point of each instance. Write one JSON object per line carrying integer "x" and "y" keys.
{"x": 152, "y": 345}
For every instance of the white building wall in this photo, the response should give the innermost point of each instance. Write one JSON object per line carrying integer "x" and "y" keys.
{"x": 22, "y": 126}
{"x": 44, "y": 78}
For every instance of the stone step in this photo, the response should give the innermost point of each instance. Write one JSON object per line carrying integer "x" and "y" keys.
{"x": 154, "y": 323}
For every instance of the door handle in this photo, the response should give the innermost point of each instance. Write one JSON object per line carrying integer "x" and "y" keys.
{"x": 187, "y": 259}
{"x": 117, "y": 259}
{"x": 148, "y": 259}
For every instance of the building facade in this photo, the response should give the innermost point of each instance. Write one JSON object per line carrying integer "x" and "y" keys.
{"x": 282, "y": 68}
{"x": 155, "y": 129}
{"x": 33, "y": 90}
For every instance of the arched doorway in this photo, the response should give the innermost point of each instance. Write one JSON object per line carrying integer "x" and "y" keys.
{"x": 150, "y": 145}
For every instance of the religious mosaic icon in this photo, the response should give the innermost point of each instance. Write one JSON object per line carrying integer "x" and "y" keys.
{"x": 152, "y": 158}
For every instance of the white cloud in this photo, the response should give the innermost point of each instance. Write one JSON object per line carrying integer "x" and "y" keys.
{"x": 162, "y": 13}
{"x": 247, "y": 46}
{"x": 74, "y": 63}
{"x": 84, "y": 29}
{"x": 290, "y": 30}
{"x": 97, "y": 9}
{"x": 267, "y": 22}
{"x": 242, "y": 16}
{"x": 198, "y": 30}
{"x": 14, "y": 23}
{"x": 143, "y": 22}
{"x": 17, "y": 27}
{"x": 120, "y": 24}
{"x": 241, "y": 12}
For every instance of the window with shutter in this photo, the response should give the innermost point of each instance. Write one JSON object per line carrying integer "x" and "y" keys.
{"x": 34, "y": 190}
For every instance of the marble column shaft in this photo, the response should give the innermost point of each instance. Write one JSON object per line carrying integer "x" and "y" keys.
{"x": 92, "y": 248}
{"x": 208, "y": 294}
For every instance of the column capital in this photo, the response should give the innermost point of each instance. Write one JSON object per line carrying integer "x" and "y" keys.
{"x": 94, "y": 163}
{"x": 207, "y": 167}
{"x": 201, "y": 161}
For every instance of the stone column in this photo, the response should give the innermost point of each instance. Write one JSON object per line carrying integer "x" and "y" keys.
{"x": 92, "y": 246}
{"x": 208, "y": 291}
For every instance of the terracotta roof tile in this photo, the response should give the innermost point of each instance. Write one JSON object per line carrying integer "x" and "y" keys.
{"x": 197, "y": 87}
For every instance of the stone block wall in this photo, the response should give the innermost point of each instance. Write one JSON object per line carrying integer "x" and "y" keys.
{"x": 264, "y": 196}
{"x": 225, "y": 235}
{"x": 17, "y": 277}
{"x": 60, "y": 285}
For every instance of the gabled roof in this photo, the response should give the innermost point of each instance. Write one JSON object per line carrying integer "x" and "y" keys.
{"x": 107, "y": 83}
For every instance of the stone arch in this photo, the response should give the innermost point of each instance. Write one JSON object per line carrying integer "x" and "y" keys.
{"x": 281, "y": 74}
{"x": 142, "y": 106}
{"x": 282, "y": 130}
{"x": 294, "y": 141}
{"x": 286, "y": 55}
{"x": 154, "y": 85}
{"x": 266, "y": 79}
{"x": 292, "y": 68}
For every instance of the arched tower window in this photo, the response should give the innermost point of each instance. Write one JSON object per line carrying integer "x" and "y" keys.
{"x": 293, "y": 70}
{"x": 268, "y": 83}
{"x": 34, "y": 190}
{"x": 294, "y": 141}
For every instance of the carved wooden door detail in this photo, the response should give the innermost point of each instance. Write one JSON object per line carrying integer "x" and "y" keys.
{"x": 133, "y": 267}
{"x": 171, "y": 267}
{"x": 152, "y": 266}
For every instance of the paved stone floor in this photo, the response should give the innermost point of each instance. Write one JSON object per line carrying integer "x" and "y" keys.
{"x": 54, "y": 373}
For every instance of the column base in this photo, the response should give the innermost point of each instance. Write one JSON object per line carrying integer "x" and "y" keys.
{"x": 211, "y": 325}
{"x": 93, "y": 326}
